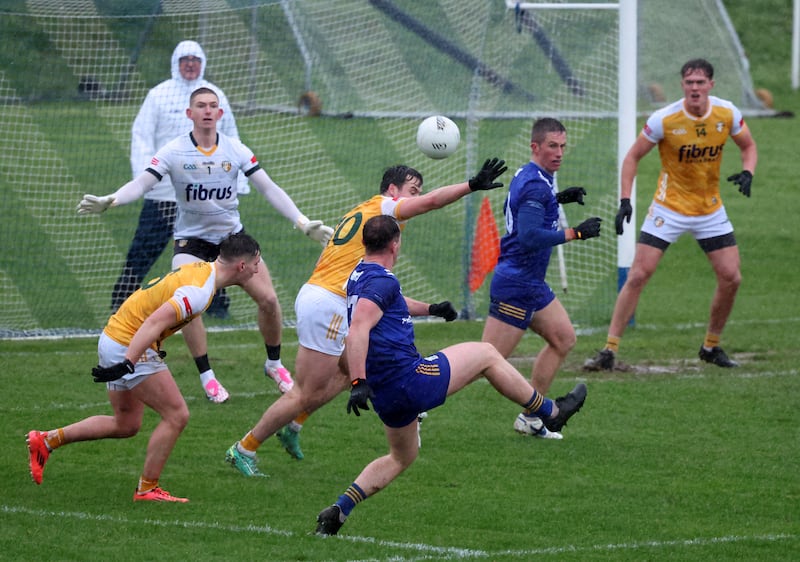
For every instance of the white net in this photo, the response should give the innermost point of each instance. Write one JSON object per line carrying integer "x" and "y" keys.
{"x": 73, "y": 75}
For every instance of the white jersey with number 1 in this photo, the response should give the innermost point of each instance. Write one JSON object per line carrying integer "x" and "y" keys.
{"x": 205, "y": 184}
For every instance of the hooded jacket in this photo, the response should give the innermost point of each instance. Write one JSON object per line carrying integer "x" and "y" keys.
{"x": 162, "y": 118}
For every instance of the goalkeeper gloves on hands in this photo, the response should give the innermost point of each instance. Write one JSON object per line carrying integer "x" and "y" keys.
{"x": 359, "y": 392}
{"x": 112, "y": 373}
{"x": 589, "y": 228}
{"x": 443, "y": 310}
{"x": 315, "y": 230}
{"x": 571, "y": 195}
{"x": 625, "y": 212}
{"x": 94, "y": 205}
{"x": 743, "y": 179}
{"x": 484, "y": 179}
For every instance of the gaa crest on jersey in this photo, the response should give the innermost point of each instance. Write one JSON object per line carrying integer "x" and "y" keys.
{"x": 226, "y": 166}
{"x": 720, "y": 126}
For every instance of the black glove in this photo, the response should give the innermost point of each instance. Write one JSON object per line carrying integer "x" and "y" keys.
{"x": 112, "y": 373}
{"x": 443, "y": 310}
{"x": 625, "y": 212}
{"x": 743, "y": 179}
{"x": 571, "y": 195}
{"x": 484, "y": 179}
{"x": 359, "y": 393}
{"x": 588, "y": 228}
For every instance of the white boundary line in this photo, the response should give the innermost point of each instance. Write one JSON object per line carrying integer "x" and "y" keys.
{"x": 428, "y": 550}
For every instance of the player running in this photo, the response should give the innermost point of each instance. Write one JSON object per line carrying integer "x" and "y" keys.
{"x": 132, "y": 365}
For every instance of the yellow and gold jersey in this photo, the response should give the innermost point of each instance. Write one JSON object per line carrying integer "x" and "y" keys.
{"x": 691, "y": 153}
{"x": 345, "y": 249}
{"x": 189, "y": 289}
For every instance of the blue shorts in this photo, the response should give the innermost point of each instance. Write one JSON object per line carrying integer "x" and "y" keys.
{"x": 423, "y": 387}
{"x": 515, "y": 303}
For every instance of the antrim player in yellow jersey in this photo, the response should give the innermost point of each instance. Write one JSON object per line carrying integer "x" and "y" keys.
{"x": 690, "y": 135}
{"x": 321, "y": 307}
{"x": 132, "y": 365}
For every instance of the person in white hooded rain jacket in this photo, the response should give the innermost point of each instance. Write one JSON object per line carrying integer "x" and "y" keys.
{"x": 161, "y": 118}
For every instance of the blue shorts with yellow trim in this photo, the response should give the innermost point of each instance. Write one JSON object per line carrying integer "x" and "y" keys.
{"x": 423, "y": 387}
{"x": 515, "y": 303}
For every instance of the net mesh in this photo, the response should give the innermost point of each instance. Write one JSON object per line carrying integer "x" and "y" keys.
{"x": 74, "y": 73}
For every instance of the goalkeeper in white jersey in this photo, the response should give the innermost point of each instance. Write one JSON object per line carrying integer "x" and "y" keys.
{"x": 203, "y": 165}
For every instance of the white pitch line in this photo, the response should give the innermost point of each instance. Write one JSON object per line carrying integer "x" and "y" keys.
{"x": 439, "y": 551}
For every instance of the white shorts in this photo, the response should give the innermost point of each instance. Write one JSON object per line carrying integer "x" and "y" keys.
{"x": 669, "y": 225}
{"x": 321, "y": 319}
{"x": 110, "y": 353}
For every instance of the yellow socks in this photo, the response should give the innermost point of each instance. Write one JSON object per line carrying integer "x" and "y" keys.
{"x": 249, "y": 443}
{"x": 711, "y": 341}
{"x": 146, "y": 485}
{"x": 55, "y": 439}
{"x": 612, "y": 343}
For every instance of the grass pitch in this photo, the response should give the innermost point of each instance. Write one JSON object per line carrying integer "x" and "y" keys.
{"x": 675, "y": 460}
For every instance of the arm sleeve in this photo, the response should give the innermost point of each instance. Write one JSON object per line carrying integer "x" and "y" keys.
{"x": 276, "y": 196}
{"x": 532, "y": 237}
{"x": 143, "y": 134}
{"x": 135, "y": 188}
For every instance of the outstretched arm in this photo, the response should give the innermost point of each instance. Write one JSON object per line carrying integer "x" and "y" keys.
{"x": 131, "y": 191}
{"x": 279, "y": 199}
{"x": 438, "y": 198}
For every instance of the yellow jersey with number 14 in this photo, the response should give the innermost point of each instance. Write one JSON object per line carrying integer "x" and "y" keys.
{"x": 691, "y": 153}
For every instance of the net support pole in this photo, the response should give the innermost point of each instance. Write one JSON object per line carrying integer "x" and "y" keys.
{"x": 796, "y": 45}
{"x": 626, "y": 130}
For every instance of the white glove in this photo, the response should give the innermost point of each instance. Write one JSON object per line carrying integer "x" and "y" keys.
{"x": 315, "y": 230}
{"x": 94, "y": 205}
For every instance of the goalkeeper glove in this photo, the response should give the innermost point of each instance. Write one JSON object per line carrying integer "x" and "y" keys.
{"x": 571, "y": 195}
{"x": 484, "y": 179}
{"x": 94, "y": 205}
{"x": 625, "y": 212}
{"x": 743, "y": 180}
{"x": 443, "y": 310}
{"x": 315, "y": 230}
{"x": 359, "y": 392}
{"x": 589, "y": 228}
{"x": 112, "y": 373}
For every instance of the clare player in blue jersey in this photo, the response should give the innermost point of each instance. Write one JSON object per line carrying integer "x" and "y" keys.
{"x": 386, "y": 368}
{"x": 520, "y": 297}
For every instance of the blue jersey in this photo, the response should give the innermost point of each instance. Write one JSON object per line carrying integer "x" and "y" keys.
{"x": 391, "y": 340}
{"x": 533, "y": 188}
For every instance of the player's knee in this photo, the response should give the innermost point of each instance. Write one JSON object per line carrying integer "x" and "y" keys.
{"x": 565, "y": 342}
{"x": 637, "y": 278}
{"x": 127, "y": 428}
{"x": 732, "y": 278}
{"x": 268, "y": 301}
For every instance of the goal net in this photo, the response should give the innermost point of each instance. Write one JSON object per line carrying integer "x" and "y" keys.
{"x": 73, "y": 74}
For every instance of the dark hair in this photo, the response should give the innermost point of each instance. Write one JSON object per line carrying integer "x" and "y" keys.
{"x": 239, "y": 245}
{"x": 398, "y": 175}
{"x": 543, "y": 126}
{"x": 698, "y": 64}
{"x": 379, "y": 232}
{"x": 202, "y": 90}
